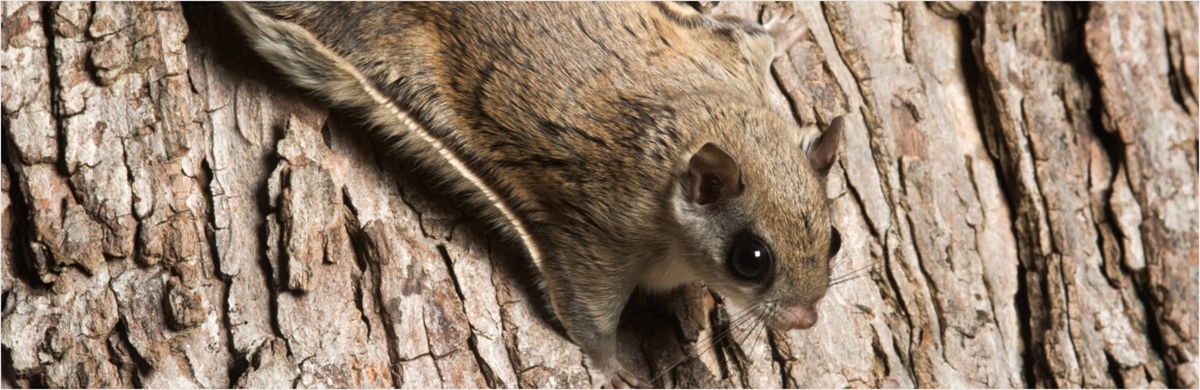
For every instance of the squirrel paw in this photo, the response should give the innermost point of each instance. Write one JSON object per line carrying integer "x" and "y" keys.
{"x": 622, "y": 379}
{"x": 784, "y": 26}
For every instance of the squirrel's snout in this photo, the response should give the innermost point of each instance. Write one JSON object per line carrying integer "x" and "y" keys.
{"x": 798, "y": 317}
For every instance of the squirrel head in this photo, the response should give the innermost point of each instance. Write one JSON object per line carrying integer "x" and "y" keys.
{"x": 755, "y": 221}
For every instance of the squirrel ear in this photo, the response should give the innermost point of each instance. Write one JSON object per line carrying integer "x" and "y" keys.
{"x": 823, "y": 152}
{"x": 712, "y": 176}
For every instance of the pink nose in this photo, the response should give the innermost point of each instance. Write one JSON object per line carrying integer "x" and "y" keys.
{"x": 800, "y": 317}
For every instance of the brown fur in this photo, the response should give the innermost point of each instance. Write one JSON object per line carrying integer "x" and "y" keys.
{"x": 577, "y": 125}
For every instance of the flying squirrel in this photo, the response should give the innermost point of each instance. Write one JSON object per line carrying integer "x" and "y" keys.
{"x": 626, "y": 145}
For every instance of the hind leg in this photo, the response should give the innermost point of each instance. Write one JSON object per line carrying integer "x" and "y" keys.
{"x": 784, "y": 27}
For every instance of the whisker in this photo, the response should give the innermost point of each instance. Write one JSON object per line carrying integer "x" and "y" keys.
{"x": 764, "y": 326}
{"x": 853, "y": 274}
{"x": 743, "y": 346}
{"x": 839, "y": 262}
{"x": 740, "y": 318}
{"x": 847, "y": 279}
{"x": 752, "y": 335}
{"x": 713, "y": 340}
{"x": 757, "y": 334}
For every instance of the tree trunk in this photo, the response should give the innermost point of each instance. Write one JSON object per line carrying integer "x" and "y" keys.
{"x": 1017, "y": 189}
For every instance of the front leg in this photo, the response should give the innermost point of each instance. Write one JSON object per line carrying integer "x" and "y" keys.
{"x": 588, "y": 292}
{"x": 601, "y": 357}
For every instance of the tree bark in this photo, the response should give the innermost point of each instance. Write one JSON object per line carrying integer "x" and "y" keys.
{"x": 1017, "y": 197}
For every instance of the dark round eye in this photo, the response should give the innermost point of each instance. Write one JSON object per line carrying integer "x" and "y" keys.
{"x": 749, "y": 258}
{"x": 836, "y": 243}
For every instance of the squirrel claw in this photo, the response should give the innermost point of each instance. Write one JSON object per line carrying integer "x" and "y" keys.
{"x": 784, "y": 26}
{"x": 622, "y": 379}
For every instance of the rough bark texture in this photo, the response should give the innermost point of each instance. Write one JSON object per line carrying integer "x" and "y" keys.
{"x": 1020, "y": 179}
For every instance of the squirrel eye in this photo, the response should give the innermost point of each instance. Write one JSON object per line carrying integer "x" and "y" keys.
{"x": 749, "y": 258}
{"x": 836, "y": 242}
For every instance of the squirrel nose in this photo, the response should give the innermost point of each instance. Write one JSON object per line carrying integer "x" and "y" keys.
{"x": 801, "y": 317}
